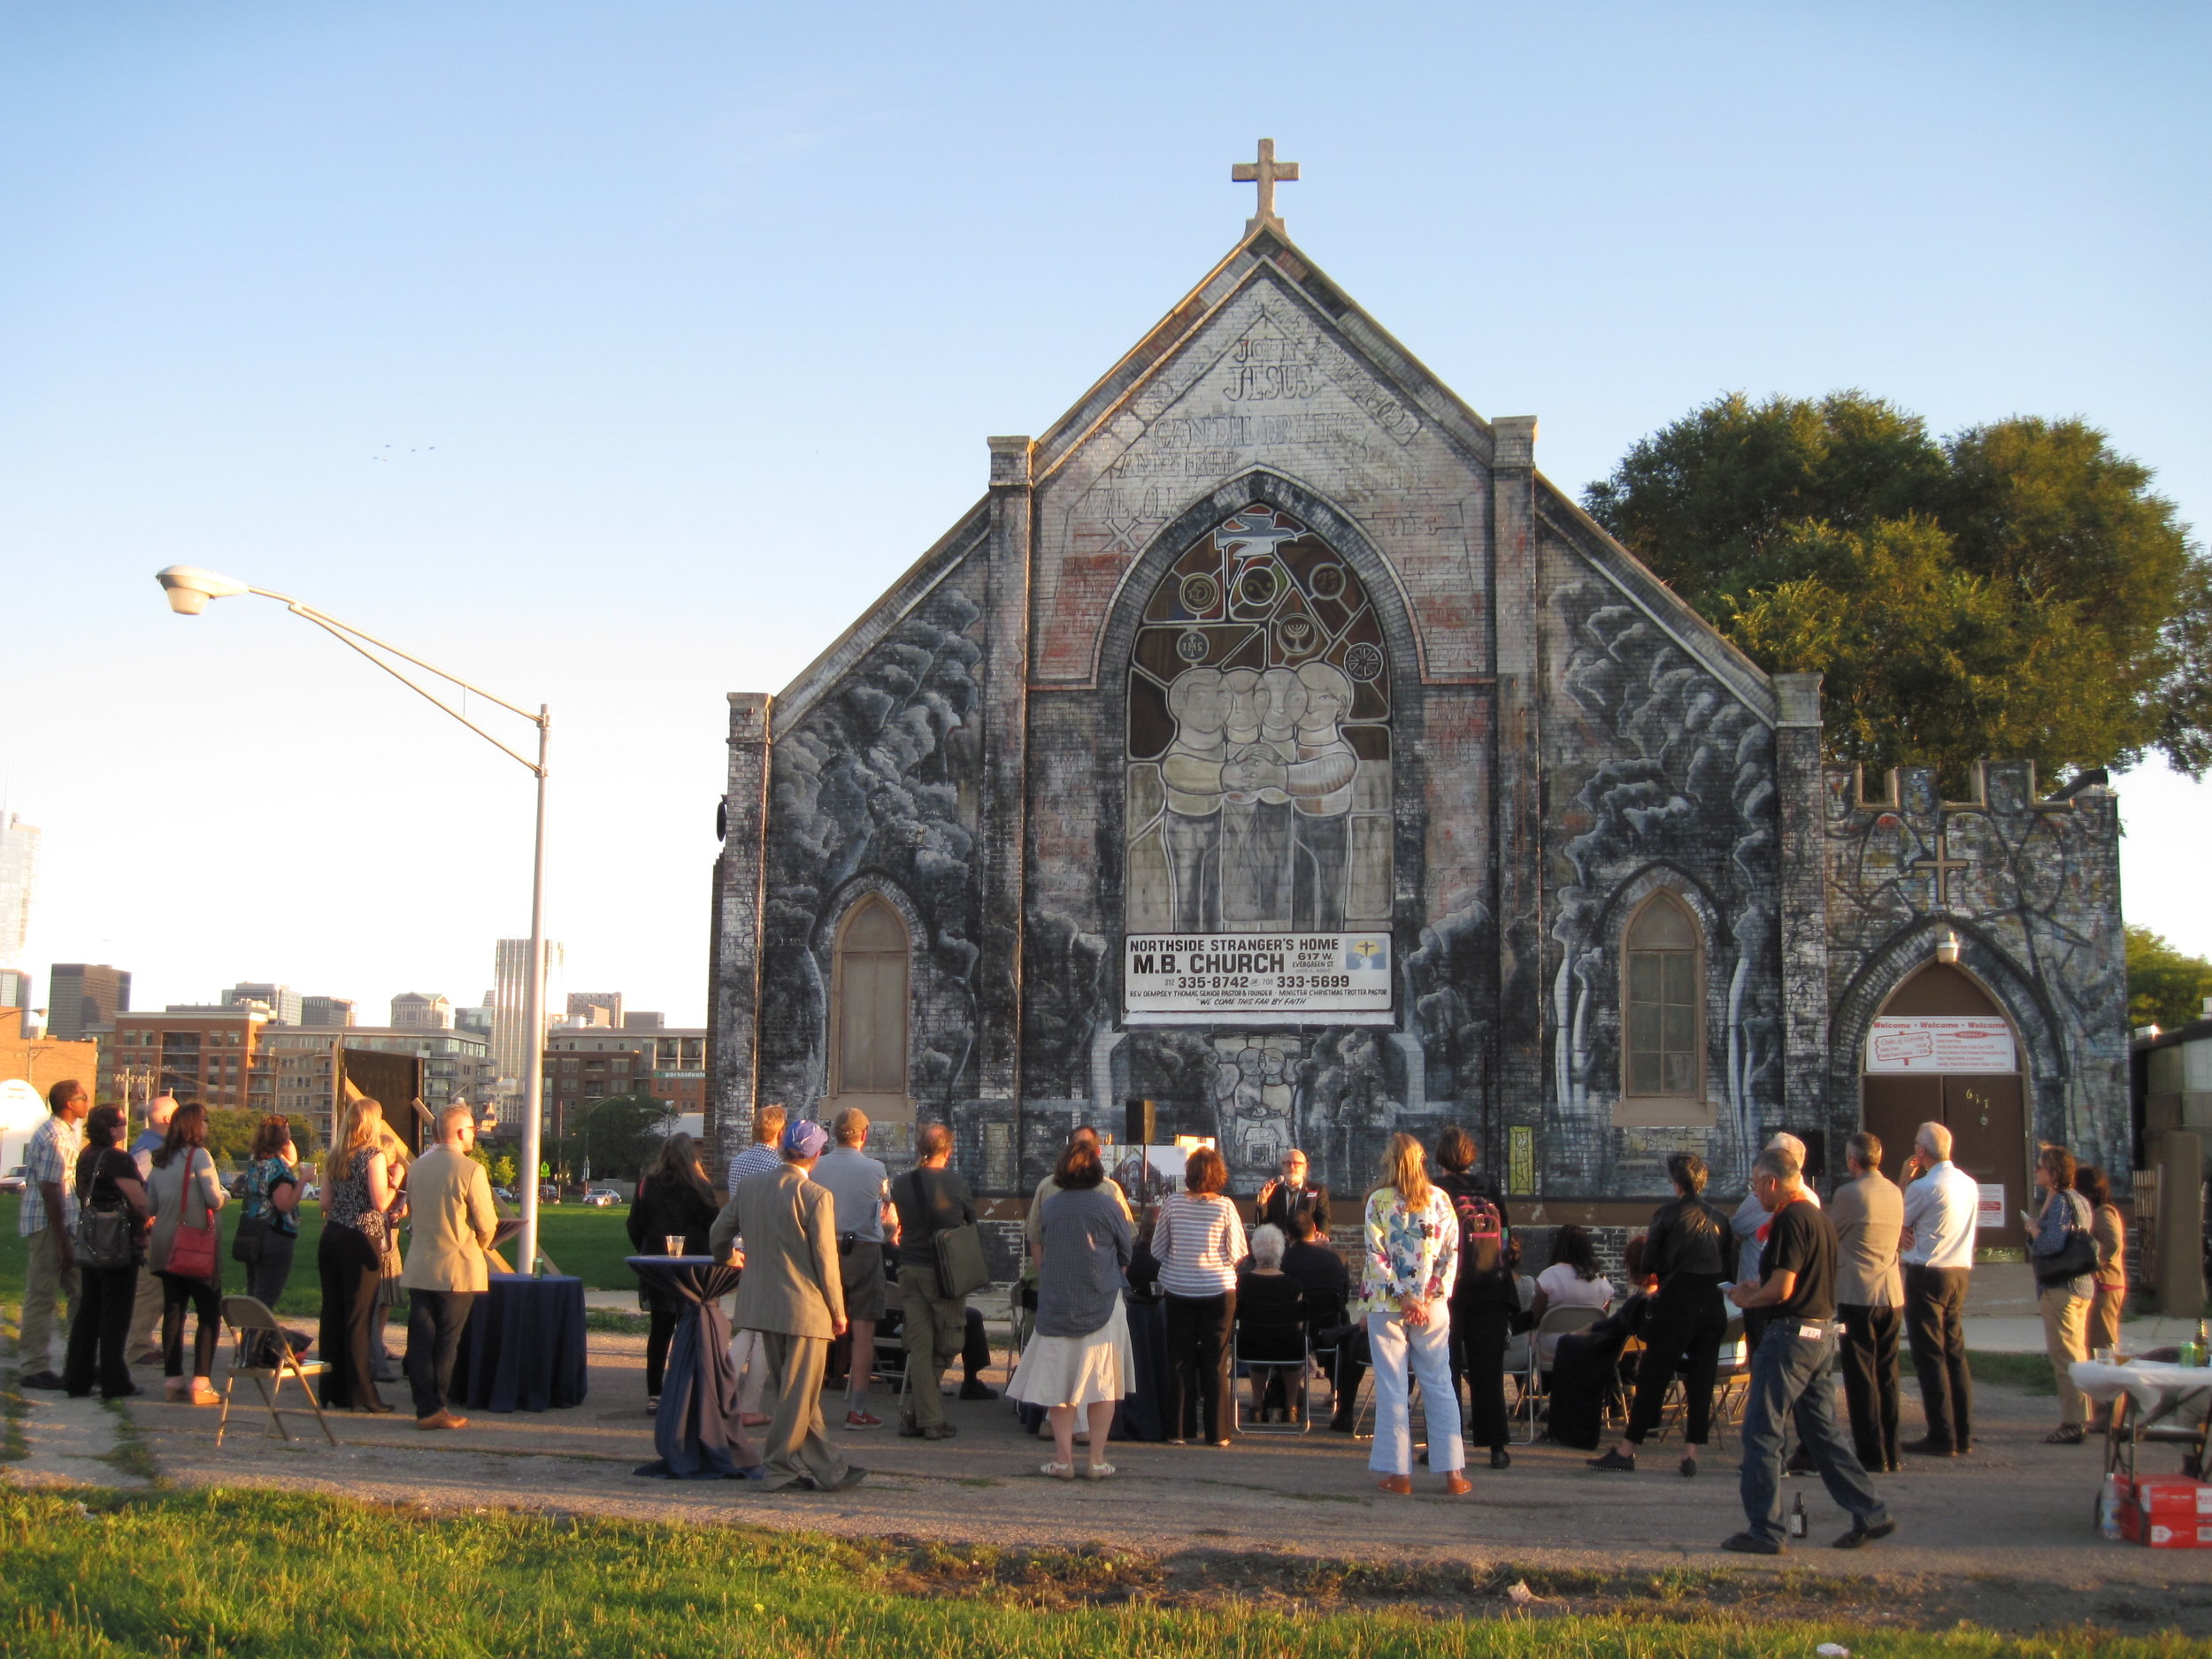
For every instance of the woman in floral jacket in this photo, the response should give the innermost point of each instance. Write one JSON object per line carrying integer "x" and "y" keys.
{"x": 1412, "y": 1262}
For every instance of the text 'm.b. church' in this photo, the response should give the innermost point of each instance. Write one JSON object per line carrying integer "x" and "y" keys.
{"x": 1275, "y": 742}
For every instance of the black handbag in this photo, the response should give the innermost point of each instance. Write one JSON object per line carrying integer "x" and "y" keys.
{"x": 104, "y": 1236}
{"x": 247, "y": 1243}
{"x": 2073, "y": 1259}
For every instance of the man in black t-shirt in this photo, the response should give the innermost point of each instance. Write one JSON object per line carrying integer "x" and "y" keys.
{"x": 1790, "y": 1367}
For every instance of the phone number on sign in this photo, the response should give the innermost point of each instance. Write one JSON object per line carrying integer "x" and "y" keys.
{"x": 1241, "y": 982}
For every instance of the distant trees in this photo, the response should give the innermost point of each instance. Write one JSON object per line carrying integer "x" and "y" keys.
{"x": 2165, "y": 987}
{"x": 2013, "y": 591}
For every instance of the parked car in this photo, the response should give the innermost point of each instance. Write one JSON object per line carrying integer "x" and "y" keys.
{"x": 603, "y": 1198}
{"x": 505, "y": 1194}
{"x": 16, "y": 1180}
{"x": 548, "y": 1194}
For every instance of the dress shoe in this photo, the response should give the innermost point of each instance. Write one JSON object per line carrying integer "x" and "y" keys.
{"x": 1860, "y": 1535}
{"x": 1400, "y": 1485}
{"x": 1801, "y": 1462}
{"x": 1458, "y": 1485}
{"x": 152, "y": 1356}
{"x": 123, "y": 1393}
{"x": 853, "y": 1476}
{"x": 1341, "y": 1425}
{"x": 940, "y": 1431}
{"x": 1499, "y": 1458}
{"x": 441, "y": 1419}
{"x": 976, "y": 1388}
{"x": 1927, "y": 1448}
{"x": 910, "y": 1429}
{"x": 1614, "y": 1460}
{"x": 373, "y": 1409}
{"x": 1751, "y": 1544}
{"x": 44, "y": 1379}
{"x": 1688, "y": 1467}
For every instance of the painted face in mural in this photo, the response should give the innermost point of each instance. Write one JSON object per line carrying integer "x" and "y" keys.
{"x": 1195, "y": 700}
{"x": 1282, "y": 704}
{"x": 1241, "y": 695}
{"x": 1328, "y": 696}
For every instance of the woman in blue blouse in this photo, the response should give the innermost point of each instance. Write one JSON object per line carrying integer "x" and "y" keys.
{"x": 272, "y": 1198}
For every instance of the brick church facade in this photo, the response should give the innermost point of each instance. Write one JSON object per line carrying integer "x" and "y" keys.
{"x": 1274, "y": 742}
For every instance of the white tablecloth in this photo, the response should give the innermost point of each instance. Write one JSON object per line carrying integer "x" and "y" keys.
{"x": 2151, "y": 1384}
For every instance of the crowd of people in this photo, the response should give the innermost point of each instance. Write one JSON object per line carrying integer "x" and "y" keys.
{"x": 825, "y": 1235}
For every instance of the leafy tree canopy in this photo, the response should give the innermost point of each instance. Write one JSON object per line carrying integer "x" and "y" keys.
{"x": 2166, "y": 988}
{"x": 2013, "y": 591}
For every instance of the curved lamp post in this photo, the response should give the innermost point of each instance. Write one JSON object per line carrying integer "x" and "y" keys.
{"x": 190, "y": 588}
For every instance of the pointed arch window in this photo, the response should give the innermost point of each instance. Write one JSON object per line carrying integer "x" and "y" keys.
{"x": 870, "y": 999}
{"x": 1663, "y": 1002}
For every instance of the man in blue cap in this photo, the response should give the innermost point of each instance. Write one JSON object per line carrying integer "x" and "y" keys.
{"x": 793, "y": 1295}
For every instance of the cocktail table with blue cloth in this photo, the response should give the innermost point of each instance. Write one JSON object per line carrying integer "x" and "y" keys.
{"x": 523, "y": 1349}
{"x": 696, "y": 1431}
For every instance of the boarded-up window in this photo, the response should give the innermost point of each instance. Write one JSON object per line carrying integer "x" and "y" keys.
{"x": 870, "y": 993}
{"x": 1665, "y": 992}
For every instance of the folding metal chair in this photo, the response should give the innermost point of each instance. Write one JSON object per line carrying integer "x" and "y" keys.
{"x": 251, "y": 1324}
{"x": 1556, "y": 1322}
{"x": 1294, "y": 1389}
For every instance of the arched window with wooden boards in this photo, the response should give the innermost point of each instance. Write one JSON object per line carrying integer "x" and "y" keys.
{"x": 1662, "y": 1002}
{"x": 869, "y": 1003}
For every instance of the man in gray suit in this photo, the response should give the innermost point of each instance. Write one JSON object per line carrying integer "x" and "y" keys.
{"x": 793, "y": 1296}
{"x": 1868, "y": 1212}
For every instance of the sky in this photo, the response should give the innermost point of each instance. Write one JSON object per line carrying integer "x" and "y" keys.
{"x": 615, "y": 357}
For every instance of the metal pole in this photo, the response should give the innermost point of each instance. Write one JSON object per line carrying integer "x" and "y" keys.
{"x": 534, "y": 1023}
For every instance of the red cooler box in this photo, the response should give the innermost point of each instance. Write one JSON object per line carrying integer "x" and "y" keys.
{"x": 2167, "y": 1512}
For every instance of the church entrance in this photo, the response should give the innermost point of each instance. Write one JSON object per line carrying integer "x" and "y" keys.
{"x": 1942, "y": 1051}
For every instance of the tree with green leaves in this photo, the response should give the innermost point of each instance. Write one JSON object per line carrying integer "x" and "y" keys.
{"x": 2166, "y": 985}
{"x": 2013, "y": 591}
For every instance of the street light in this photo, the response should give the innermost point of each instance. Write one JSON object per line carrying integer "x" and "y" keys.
{"x": 190, "y": 588}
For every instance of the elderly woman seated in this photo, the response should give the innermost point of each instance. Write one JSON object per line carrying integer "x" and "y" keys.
{"x": 1270, "y": 1325}
{"x": 1591, "y": 1365}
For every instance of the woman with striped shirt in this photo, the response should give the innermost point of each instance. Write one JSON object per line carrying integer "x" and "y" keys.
{"x": 1198, "y": 1239}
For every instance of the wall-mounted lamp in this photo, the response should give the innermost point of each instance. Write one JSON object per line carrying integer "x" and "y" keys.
{"x": 1948, "y": 948}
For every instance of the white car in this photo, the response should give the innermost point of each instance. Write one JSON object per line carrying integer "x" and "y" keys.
{"x": 603, "y": 1198}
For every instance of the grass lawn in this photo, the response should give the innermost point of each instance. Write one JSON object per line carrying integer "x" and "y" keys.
{"x": 590, "y": 1242}
{"x": 208, "y": 1572}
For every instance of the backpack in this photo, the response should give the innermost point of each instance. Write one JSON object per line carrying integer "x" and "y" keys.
{"x": 1482, "y": 1241}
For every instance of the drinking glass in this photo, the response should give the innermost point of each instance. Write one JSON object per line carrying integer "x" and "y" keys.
{"x": 672, "y": 1244}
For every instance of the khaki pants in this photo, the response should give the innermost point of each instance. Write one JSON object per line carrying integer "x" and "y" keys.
{"x": 45, "y": 1283}
{"x": 935, "y": 1329}
{"x": 2104, "y": 1316}
{"x": 145, "y": 1336}
{"x": 2065, "y": 1338}
{"x": 798, "y": 1441}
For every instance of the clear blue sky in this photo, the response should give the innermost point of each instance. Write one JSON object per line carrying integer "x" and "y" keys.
{"x": 707, "y": 311}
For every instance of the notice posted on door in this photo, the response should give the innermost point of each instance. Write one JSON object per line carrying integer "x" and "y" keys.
{"x": 1267, "y": 979}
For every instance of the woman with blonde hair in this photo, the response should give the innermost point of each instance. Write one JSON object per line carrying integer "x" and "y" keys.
{"x": 1412, "y": 1262}
{"x": 356, "y": 1192}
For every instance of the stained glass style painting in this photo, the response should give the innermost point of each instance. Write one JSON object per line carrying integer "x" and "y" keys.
{"x": 1259, "y": 739}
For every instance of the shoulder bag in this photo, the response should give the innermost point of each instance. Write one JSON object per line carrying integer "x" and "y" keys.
{"x": 2074, "y": 1259}
{"x": 251, "y": 1238}
{"x": 103, "y": 1235}
{"x": 961, "y": 1269}
{"x": 192, "y": 1249}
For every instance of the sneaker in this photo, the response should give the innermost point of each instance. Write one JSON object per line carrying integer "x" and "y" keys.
{"x": 940, "y": 1431}
{"x": 1860, "y": 1535}
{"x": 862, "y": 1419}
{"x": 1751, "y": 1544}
{"x": 2065, "y": 1434}
{"x": 43, "y": 1379}
{"x": 910, "y": 1429}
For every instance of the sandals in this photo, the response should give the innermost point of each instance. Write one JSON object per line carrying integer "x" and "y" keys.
{"x": 1400, "y": 1485}
{"x": 1057, "y": 1471}
{"x": 1097, "y": 1471}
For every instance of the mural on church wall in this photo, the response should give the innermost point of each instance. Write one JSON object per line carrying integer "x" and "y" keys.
{"x": 2031, "y": 885}
{"x": 1660, "y": 777}
{"x": 875, "y": 787}
{"x": 1259, "y": 742}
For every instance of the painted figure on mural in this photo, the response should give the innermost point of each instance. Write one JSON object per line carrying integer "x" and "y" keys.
{"x": 1193, "y": 773}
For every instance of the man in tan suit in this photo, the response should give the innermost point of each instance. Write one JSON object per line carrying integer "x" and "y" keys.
{"x": 1868, "y": 1212}
{"x": 792, "y": 1295}
{"x": 451, "y": 1225}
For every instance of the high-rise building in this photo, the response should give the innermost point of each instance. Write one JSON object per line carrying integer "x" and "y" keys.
{"x": 16, "y": 988}
{"x": 284, "y": 1004}
{"x": 596, "y": 1008}
{"x": 81, "y": 995}
{"x": 412, "y": 1010}
{"x": 18, "y": 872}
{"x": 510, "y": 979}
{"x": 326, "y": 1010}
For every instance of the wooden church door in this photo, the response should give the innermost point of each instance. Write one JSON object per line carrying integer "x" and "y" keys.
{"x": 1985, "y": 1110}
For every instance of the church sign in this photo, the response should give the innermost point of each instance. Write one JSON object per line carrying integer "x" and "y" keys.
{"x": 1940, "y": 1043}
{"x": 1257, "y": 979}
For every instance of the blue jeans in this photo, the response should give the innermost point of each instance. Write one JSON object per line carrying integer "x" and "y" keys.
{"x": 1789, "y": 1371}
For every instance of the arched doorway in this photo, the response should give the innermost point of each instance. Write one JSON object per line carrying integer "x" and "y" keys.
{"x": 1943, "y": 1051}
{"x": 868, "y": 1004}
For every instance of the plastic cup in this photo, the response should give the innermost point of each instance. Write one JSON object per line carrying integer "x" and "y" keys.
{"x": 672, "y": 1244}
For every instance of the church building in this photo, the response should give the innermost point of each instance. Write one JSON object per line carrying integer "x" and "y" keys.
{"x": 1273, "y": 742}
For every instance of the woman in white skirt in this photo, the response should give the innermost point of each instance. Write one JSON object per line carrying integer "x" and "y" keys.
{"x": 1080, "y": 1360}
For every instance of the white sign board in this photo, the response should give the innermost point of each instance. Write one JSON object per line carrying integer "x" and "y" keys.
{"x": 1939, "y": 1042}
{"x": 1257, "y": 979}
{"x": 22, "y": 1109}
{"x": 1989, "y": 1213}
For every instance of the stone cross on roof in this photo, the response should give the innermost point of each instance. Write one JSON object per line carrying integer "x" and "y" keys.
{"x": 1942, "y": 864}
{"x": 1264, "y": 172}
